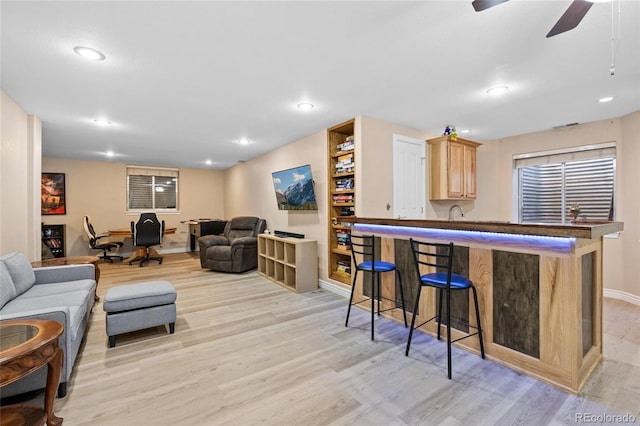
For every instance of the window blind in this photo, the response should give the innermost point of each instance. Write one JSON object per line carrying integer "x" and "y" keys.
{"x": 152, "y": 188}
{"x": 547, "y": 190}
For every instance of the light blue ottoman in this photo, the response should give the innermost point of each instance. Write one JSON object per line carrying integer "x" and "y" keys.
{"x": 135, "y": 307}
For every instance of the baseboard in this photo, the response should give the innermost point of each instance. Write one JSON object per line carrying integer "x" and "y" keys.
{"x": 173, "y": 250}
{"x": 622, "y": 295}
{"x": 335, "y": 288}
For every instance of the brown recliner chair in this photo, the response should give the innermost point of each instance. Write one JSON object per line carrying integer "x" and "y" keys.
{"x": 237, "y": 249}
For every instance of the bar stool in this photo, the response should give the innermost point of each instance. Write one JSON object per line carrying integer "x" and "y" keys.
{"x": 440, "y": 256}
{"x": 365, "y": 247}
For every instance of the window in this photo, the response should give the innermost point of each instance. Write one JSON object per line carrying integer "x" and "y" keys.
{"x": 152, "y": 188}
{"x": 549, "y": 183}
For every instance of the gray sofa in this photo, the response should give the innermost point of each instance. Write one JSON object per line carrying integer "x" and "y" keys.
{"x": 60, "y": 293}
{"x": 237, "y": 249}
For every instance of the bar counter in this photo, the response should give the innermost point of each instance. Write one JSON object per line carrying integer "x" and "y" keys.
{"x": 539, "y": 289}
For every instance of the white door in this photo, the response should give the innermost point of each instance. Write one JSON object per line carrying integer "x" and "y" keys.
{"x": 409, "y": 164}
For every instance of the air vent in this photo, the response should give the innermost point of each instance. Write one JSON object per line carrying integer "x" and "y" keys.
{"x": 562, "y": 126}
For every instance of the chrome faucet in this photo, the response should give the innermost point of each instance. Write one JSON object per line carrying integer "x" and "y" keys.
{"x": 452, "y": 209}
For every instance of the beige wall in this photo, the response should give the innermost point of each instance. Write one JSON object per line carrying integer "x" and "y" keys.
{"x": 20, "y": 157}
{"x": 496, "y": 200}
{"x": 374, "y": 160}
{"x": 249, "y": 191}
{"x": 98, "y": 189}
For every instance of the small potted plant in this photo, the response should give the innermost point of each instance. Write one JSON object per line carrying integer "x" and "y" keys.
{"x": 574, "y": 211}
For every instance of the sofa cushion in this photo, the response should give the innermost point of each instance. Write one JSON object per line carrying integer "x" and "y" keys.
{"x": 59, "y": 288}
{"x": 20, "y": 270}
{"x": 138, "y": 296}
{"x": 7, "y": 289}
{"x": 219, "y": 253}
{"x": 73, "y": 304}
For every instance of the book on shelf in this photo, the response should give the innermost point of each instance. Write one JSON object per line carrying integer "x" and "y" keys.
{"x": 344, "y": 266}
{"x": 347, "y": 145}
{"x": 347, "y": 211}
{"x": 343, "y": 198}
{"x": 344, "y": 184}
{"x": 347, "y": 169}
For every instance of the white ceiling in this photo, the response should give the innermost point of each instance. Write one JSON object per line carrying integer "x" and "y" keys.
{"x": 183, "y": 81}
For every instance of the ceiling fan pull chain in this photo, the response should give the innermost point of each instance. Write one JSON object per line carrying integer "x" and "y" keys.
{"x": 614, "y": 43}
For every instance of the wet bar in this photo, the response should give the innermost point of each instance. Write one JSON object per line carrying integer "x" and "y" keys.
{"x": 539, "y": 289}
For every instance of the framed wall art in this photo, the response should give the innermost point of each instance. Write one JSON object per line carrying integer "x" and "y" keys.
{"x": 53, "y": 194}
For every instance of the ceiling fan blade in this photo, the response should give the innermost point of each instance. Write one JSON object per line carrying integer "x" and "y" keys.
{"x": 571, "y": 17}
{"x": 480, "y": 5}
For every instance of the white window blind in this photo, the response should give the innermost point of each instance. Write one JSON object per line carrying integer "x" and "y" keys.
{"x": 152, "y": 188}
{"x": 549, "y": 185}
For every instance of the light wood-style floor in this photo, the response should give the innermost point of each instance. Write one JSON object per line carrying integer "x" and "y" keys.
{"x": 246, "y": 351}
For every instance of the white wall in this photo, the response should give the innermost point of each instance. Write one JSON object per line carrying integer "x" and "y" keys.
{"x": 20, "y": 153}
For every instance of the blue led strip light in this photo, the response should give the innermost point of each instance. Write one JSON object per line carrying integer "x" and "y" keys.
{"x": 555, "y": 244}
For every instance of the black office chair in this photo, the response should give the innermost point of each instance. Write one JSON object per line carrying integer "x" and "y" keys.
{"x": 147, "y": 232}
{"x": 440, "y": 256}
{"x": 105, "y": 245}
{"x": 364, "y": 246}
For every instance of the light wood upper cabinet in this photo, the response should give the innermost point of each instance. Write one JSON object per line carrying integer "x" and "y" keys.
{"x": 452, "y": 168}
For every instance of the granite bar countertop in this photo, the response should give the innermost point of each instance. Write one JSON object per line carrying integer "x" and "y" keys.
{"x": 581, "y": 229}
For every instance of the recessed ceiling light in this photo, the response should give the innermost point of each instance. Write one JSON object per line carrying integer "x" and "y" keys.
{"x": 208, "y": 162}
{"x": 101, "y": 122}
{"x": 465, "y": 130}
{"x": 305, "y": 106}
{"x": 110, "y": 154}
{"x": 89, "y": 53}
{"x": 606, "y": 99}
{"x": 498, "y": 90}
{"x": 244, "y": 141}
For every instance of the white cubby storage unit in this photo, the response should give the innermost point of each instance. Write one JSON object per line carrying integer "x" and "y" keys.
{"x": 290, "y": 262}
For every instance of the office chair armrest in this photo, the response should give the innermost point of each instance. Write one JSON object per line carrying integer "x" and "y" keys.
{"x": 212, "y": 240}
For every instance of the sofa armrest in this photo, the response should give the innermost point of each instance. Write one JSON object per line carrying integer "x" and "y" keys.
{"x": 57, "y": 314}
{"x": 56, "y": 274}
{"x": 212, "y": 240}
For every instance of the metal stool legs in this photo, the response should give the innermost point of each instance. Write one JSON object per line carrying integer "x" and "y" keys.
{"x": 376, "y": 294}
{"x": 438, "y": 318}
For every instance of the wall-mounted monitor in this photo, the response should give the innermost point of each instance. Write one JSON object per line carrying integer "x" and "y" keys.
{"x": 294, "y": 189}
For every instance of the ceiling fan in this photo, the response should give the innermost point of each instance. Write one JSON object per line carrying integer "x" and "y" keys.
{"x": 568, "y": 21}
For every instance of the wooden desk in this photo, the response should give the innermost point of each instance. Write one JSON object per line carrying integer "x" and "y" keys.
{"x": 26, "y": 346}
{"x": 139, "y": 252}
{"x": 126, "y": 232}
{"x": 73, "y": 260}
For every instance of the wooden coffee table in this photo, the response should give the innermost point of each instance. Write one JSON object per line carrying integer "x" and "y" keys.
{"x": 27, "y": 345}
{"x": 73, "y": 260}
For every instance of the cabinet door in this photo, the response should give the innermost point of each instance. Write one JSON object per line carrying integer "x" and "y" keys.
{"x": 456, "y": 170}
{"x": 469, "y": 172}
